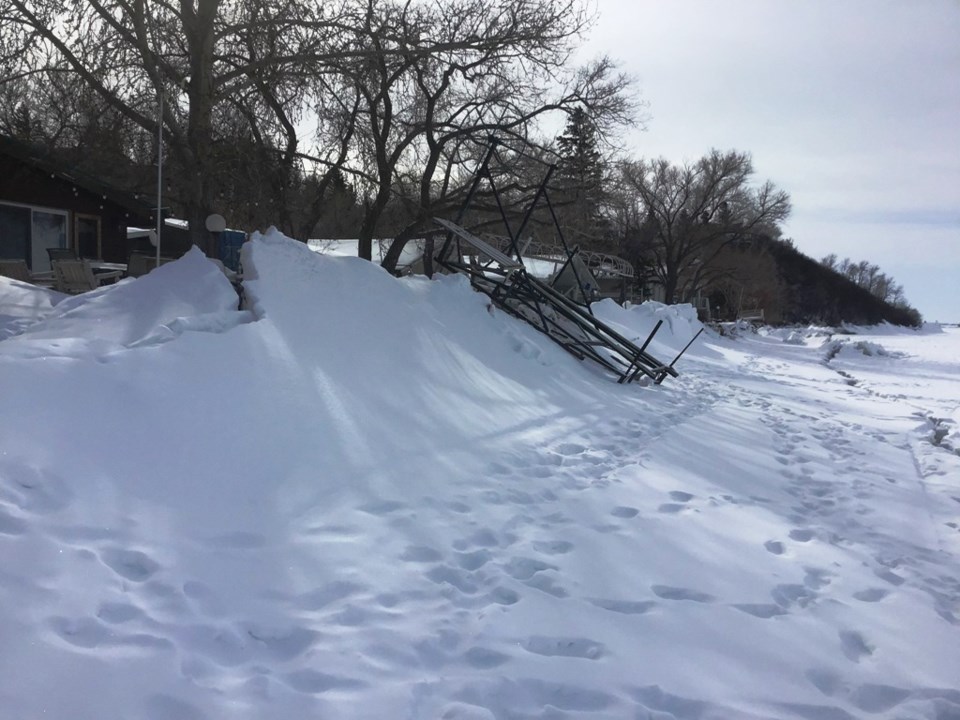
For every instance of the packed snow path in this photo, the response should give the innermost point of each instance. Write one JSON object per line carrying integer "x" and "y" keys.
{"x": 396, "y": 503}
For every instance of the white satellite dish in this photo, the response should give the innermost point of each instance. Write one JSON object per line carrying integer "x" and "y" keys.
{"x": 216, "y": 223}
{"x": 152, "y": 235}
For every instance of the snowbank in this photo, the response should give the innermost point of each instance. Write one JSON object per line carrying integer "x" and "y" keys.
{"x": 190, "y": 293}
{"x": 368, "y": 498}
{"x": 636, "y": 322}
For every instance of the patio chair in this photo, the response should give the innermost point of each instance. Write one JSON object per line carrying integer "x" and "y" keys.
{"x": 74, "y": 276}
{"x": 18, "y": 270}
{"x": 139, "y": 264}
{"x": 58, "y": 253}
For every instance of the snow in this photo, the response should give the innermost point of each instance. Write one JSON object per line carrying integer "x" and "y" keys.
{"x": 365, "y": 497}
{"x": 410, "y": 254}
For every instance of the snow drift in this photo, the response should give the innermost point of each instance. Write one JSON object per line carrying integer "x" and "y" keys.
{"x": 367, "y": 498}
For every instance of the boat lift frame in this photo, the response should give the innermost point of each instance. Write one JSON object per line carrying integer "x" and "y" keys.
{"x": 503, "y": 277}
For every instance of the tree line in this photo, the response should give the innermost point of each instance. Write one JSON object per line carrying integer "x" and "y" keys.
{"x": 366, "y": 118}
{"x": 868, "y": 276}
{"x": 275, "y": 109}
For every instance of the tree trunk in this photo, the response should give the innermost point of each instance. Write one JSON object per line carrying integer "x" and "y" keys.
{"x": 395, "y": 250}
{"x": 371, "y": 217}
{"x": 670, "y": 288}
{"x": 199, "y": 29}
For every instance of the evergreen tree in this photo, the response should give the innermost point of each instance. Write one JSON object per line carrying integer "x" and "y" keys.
{"x": 578, "y": 183}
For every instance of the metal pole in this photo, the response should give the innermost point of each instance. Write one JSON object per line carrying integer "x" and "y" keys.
{"x": 481, "y": 171}
{"x": 159, "y": 174}
{"x": 687, "y": 346}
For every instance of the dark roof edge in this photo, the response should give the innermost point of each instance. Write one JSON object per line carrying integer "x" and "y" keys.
{"x": 42, "y": 159}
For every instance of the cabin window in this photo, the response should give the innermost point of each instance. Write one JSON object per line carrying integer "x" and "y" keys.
{"x": 15, "y": 233}
{"x": 88, "y": 237}
{"x": 26, "y": 232}
{"x": 49, "y": 231}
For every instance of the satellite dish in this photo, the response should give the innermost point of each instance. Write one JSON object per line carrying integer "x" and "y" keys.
{"x": 216, "y": 223}
{"x": 153, "y": 237}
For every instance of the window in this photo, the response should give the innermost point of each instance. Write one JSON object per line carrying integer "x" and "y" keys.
{"x": 14, "y": 232}
{"x": 88, "y": 237}
{"x": 26, "y": 233}
{"x": 49, "y": 231}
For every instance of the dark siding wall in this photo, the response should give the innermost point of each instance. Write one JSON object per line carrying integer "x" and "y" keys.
{"x": 20, "y": 183}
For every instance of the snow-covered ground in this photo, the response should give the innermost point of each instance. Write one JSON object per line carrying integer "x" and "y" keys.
{"x": 374, "y": 498}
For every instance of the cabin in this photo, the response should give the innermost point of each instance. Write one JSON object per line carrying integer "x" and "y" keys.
{"x": 45, "y": 204}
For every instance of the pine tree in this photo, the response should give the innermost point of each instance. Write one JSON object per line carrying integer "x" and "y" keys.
{"x": 578, "y": 183}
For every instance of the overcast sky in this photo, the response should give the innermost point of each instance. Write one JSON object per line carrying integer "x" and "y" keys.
{"x": 852, "y": 106}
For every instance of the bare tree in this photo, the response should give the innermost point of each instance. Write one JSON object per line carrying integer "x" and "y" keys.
{"x": 830, "y": 261}
{"x": 692, "y": 211}
{"x": 260, "y": 69}
{"x": 868, "y": 276}
{"x": 417, "y": 114}
{"x": 197, "y": 54}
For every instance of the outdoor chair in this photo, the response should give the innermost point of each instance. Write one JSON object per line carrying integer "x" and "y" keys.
{"x": 139, "y": 264}
{"x": 18, "y": 270}
{"x": 74, "y": 276}
{"x": 58, "y": 253}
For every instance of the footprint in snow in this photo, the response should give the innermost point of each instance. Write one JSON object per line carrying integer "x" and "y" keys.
{"x": 564, "y": 647}
{"x": 854, "y": 645}
{"x": 553, "y": 547}
{"x": 459, "y": 579}
{"x": 775, "y": 547}
{"x": 668, "y": 592}
{"x": 471, "y": 561}
{"x": 132, "y": 565}
{"x": 34, "y": 491}
{"x": 315, "y": 682}
{"x": 83, "y": 633}
{"x": 484, "y": 538}
{"x": 623, "y": 511}
{"x": 624, "y": 607}
{"x": 381, "y": 507}
{"x": 568, "y": 449}
{"x": 118, "y": 613}
{"x": 520, "y": 568}
{"x": 204, "y": 598}
{"x": 671, "y": 508}
{"x": 789, "y": 594}
{"x": 760, "y": 610}
{"x": 824, "y": 680}
{"x": 890, "y": 576}
{"x": 484, "y": 658}
{"x": 545, "y": 583}
{"x": 873, "y": 698}
{"x": 816, "y": 578}
{"x": 503, "y": 596}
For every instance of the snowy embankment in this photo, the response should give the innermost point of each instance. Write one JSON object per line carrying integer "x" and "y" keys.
{"x": 370, "y": 498}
